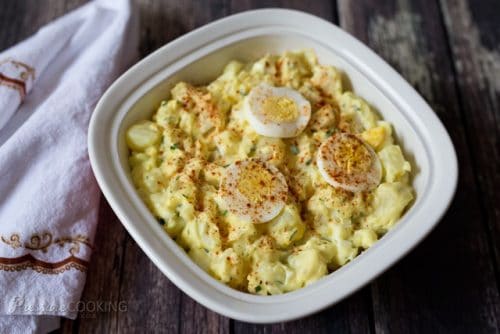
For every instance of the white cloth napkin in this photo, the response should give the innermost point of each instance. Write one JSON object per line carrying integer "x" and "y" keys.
{"x": 49, "y": 85}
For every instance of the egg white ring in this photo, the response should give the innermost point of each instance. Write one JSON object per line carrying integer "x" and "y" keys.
{"x": 240, "y": 205}
{"x": 336, "y": 176}
{"x": 253, "y": 105}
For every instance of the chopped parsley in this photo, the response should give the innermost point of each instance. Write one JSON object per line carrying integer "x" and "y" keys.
{"x": 174, "y": 146}
{"x": 329, "y": 132}
{"x": 294, "y": 149}
{"x": 163, "y": 103}
{"x": 308, "y": 162}
{"x": 252, "y": 150}
{"x": 161, "y": 221}
{"x": 258, "y": 288}
{"x": 224, "y": 213}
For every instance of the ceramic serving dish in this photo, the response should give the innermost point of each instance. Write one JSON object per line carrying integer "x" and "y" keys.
{"x": 199, "y": 57}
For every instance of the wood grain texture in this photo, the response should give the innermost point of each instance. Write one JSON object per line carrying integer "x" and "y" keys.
{"x": 154, "y": 303}
{"x": 324, "y": 9}
{"x": 474, "y": 38}
{"x": 21, "y": 19}
{"x": 104, "y": 277}
{"x": 447, "y": 284}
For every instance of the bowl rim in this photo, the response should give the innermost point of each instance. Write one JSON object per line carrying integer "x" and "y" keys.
{"x": 123, "y": 92}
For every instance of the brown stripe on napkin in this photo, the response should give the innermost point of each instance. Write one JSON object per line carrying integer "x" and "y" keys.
{"x": 29, "y": 262}
{"x": 13, "y": 83}
{"x": 17, "y": 84}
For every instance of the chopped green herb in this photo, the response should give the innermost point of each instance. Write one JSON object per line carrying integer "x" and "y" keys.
{"x": 206, "y": 250}
{"x": 163, "y": 103}
{"x": 329, "y": 132}
{"x": 224, "y": 213}
{"x": 308, "y": 162}
{"x": 161, "y": 221}
{"x": 252, "y": 150}
{"x": 278, "y": 282}
{"x": 293, "y": 234}
{"x": 258, "y": 288}
{"x": 185, "y": 196}
{"x": 225, "y": 166}
{"x": 294, "y": 149}
{"x": 174, "y": 146}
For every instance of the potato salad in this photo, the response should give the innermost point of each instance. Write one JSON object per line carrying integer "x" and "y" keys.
{"x": 271, "y": 176}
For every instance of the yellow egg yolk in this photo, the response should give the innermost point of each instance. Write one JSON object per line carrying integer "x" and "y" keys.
{"x": 280, "y": 109}
{"x": 256, "y": 183}
{"x": 352, "y": 156}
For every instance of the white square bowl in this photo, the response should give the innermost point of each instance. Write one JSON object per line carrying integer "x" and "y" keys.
{"x": 199, "y": 57}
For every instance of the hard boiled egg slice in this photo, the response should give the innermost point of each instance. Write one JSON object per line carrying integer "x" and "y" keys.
{"x": 279, "y": 112}
{"x": 254, "y": 190}
{"x": 346, "y": 162}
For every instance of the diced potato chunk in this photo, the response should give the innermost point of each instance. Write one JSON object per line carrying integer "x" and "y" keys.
{"x": 142, "y": 135}
{"x": 394, "y": 163}
{"x": 351, "y": 104}
{"x": 389, "y": 201}
{"x": 364, "y": 238}
{"x": 325, "y": 118}
{"x": 287, "y": 227}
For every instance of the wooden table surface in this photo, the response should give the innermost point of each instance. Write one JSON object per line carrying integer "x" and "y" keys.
{"x": 450, "y": 52}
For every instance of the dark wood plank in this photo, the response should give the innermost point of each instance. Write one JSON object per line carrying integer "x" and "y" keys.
{"x": 153, "y": 301}
{"x": 162, "y": 22}
{"x": 20, "y": 19}
{"x": 195, "y": 318}
{"x": 353, "y": 314}
{"x": 474, "y": 37}
{"x": 447, "y": 284}
{"x": 349, "y": 316}
{"x": 103, "y": 278}
{"x": 324, "y": 9}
